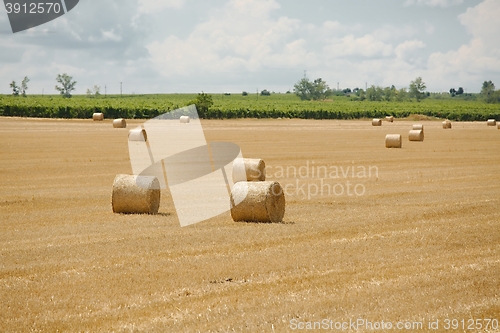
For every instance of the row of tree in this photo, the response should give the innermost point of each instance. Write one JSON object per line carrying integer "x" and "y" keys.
{"x": 67, "y": 85}
{"x": 305, "y": 89}
{"x": 319, "y": 89}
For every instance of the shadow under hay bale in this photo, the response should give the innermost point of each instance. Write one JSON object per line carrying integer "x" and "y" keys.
{"x": 98, "y": 116}
{"x": 249, "y": 169}
{"x": 416, "y": 135}
{"x": 393, "y": 141}
{"x": 135, "y": 194}
{"x": 257, "y": 202}
{"x": 119, "y": 123}
{"x": 377, "y": 122}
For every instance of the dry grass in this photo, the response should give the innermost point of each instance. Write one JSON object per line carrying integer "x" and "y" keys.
{"x": 422, "y": 243}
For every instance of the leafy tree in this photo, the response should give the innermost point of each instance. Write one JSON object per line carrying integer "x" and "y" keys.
{"x": 417, "y": 89}
{"x": 265, "y": 92}
{"x": 460, "y": 91}
{"x": 203, "y": 102}
{"x": 307, "y": 90}
{"x": 402, "y": 95}
{"x": 67, "y": 85}
{"x": 94, "y": 92}
{"x": 487, "y": 91}
{"x": 24, "y": 86}
{"x": 453, "y": 92}
{"x": 15, "y": 88}
{"x": 244, "y": 93}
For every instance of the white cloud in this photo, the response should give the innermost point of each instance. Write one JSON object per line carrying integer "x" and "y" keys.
{"x": 434, "y": 3}
{"x": 153, "y": 6}
{"x": 406, "y": 49}
{"x": 480, "y": 58}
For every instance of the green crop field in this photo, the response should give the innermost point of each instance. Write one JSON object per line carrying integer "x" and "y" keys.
{"x": 238, "y": 106}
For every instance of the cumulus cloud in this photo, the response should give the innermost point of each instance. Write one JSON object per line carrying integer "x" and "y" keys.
{"x": 434, "y": 3}
{"x": 480, "y": 58}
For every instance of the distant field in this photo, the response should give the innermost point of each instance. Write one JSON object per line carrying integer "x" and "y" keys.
{"x": 238, "y": 106}
{"x": 416, "y": 240}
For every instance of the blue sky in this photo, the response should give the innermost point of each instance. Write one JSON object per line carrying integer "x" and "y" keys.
{"x": 169, "y": 46}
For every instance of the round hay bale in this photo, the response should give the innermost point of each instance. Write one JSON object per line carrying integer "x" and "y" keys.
{"x": 389, "y": 119}
{"x": 135, "y": 194}
{"x": 257, "y": 202}
{"x": 184, "y": 119}
{"x": 416, "y": 135}
{"x": 119, "y": 123}
{"x": 498, "y": 125}
{"x": 446, "y": 124}
{"x": 491, "y": 122}
{"x": 418, "y": 127}
{"x": 377, "y": 122}
{"x": 393, "y": 141}
{"x": 137, "y": 134}
{"x": 248, "y": 170}
{"x": 98, "y": 116}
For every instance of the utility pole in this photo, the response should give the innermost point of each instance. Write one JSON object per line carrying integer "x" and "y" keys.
{"x": 305, "y": 73}
{"x": 366, "y": 86}
{"x": 105, "y": 90}
{"x": 338, "y": 87}
{"x": 120, "y": 89}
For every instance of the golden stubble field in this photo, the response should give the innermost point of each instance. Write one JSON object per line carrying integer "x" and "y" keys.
{"x": 418, "y": 242}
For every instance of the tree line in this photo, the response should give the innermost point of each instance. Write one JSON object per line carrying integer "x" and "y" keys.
{"x": 319, "y": 90}
{"x": 305, "y": 90}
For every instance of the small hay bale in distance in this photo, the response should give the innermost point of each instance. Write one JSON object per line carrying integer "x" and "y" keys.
{"x": 98, "y": 116}
{"x": 119, "y": 123}
{"x": 491, "y": 122}
{"x": 416, "y": 135}
{"x": 446, "y": 124}
{"x": 389, "y": 119}
{"x": 257, "y": 202}
{"x": 134, "y": 194}
{"x": 377, "y": 122}
{"x": 248, "y": 170}
{"x": 393, "y": 141}
{"x": 138, "y": 134}
{"x": 498, "y": 125}
{"x": 184, "y": 119}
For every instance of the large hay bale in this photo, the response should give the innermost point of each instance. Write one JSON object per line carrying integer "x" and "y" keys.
{"x": 393, "y": 141}
{"x": 416, "y": 135}
{"x": 257, "y": 202}
{"x": 184, "y": 119}
{"x": 389, "y": 119}
{"x": 446, "y": 124}
{"x": 137, "y": 134}
{"x": 377, "y": 122}
{"x": 491, "y": 122}
{"x": 119, "y": 123}
{"x": 248, "y": 169}
{"x": 135, "y": 194}
{"x": 98, "y": 116}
